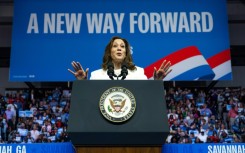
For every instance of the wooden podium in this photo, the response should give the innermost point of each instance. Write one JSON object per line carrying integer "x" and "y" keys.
{"x": 145, "y": 131}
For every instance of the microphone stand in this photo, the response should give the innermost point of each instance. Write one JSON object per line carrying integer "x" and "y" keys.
{"x": 110, "y": 71}
{"x": 124, "y": 71}
{"x": 111, "y": 74}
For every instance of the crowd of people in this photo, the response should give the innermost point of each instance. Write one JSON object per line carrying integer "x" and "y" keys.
{"x": 28, "y": 117}
{"x": 200, "y": 116}
{"x": 194, "y": 115}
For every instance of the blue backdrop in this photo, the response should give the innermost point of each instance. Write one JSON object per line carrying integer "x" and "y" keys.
{"x": 49, "y": 34}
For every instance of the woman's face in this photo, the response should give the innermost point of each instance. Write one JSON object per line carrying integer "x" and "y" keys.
{"x": 118, "y": 51}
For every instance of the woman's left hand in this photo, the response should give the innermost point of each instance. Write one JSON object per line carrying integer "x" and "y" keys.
{"x": 163, "y": 71}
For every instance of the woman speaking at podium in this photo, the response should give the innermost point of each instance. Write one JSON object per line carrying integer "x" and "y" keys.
{"x": 118, "y": 65}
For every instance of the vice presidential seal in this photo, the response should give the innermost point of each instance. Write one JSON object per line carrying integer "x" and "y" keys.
{"x": 117, "y": 104}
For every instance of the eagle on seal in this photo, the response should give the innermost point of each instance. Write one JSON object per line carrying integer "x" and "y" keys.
{"x": 117, "y": 107}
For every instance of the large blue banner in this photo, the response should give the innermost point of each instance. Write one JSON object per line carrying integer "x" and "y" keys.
{"x": 204, "y": 148}
{"x": 49, "y": 34}
{"x": 37, "y": 148}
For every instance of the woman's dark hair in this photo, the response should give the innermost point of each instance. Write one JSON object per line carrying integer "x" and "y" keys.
{"x": 107, "y": 55}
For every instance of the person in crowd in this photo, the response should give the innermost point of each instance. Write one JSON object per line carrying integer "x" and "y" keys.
{"x": 222, "y": 130}
{"x": 39, "y": 138}
{"x": 174, "y": 127}
{"x": 64, "y": 137}
{"x": 32, "y": 107}
{"x": 210, "y": 130}
{"x": 117, "y": 52}
{"x": 48, "y": 125}
{"x": 18, "y": 104}
{"x": 196, "y": 113}
{"x": 44, "y": 116}
{"x": 41, "y": 107}
{"x": 220, "y": 100}
{"x": 240, "y": 108}
{"x": 53, "y": 103}
{"x": 184, "y": 140}
{"x": 198, "y": 140}
{"x": 214, "y": 137}
{"x": 34, "y": 132}
{"x": 171, "y": 120}
{"x": 201, "y": 96}
{"x": 232, "y": 114}
{"x": 22, "y": 131}
{"x": 44, "y": 131}
{"x": 59, "y": 123}
{"x": 205, "y": 110}
{"x": 63, "y": 116}
{"x": 192, "y": 137}
{"x": 202, "y": 136}
{"x": 174, "y": 139}
{"x": 204, "y": 124}
{"x": 196, "y": 123}
{"x": 174, "y": 114}
{"x": 29, "y": 138}
{"x": 9, "y": 115}
{"x": 184, "y": 125}
{"x": 225, "y": 112}
{"x": 224, "y": 138}
{"x": 169, "y": 138}
{"x": 212, "y": 120}
{"x": 18, "y": 137}
{"x": 171, "y": 105}
{"x": 13, "y": 108}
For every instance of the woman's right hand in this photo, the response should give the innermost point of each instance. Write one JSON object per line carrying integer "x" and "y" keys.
{"x": 79, "y": 73}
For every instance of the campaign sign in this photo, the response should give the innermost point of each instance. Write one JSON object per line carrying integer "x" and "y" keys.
{"x": 49, "y": 34}
{"x": 25, "y": 113}
{"x": 23, "y": 132}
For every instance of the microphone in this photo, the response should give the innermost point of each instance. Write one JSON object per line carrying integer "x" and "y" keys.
{"x": 110, "y": 70}
{"x": 124, "y": 71}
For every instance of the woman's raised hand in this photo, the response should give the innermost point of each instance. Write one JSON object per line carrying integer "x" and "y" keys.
{"x": 79, "y": 73}
{"x": 163, "y": 70}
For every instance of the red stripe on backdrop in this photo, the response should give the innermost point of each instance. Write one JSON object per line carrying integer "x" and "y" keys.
{"x": 219, "y": 58}
{"x": 174, "y": 58}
